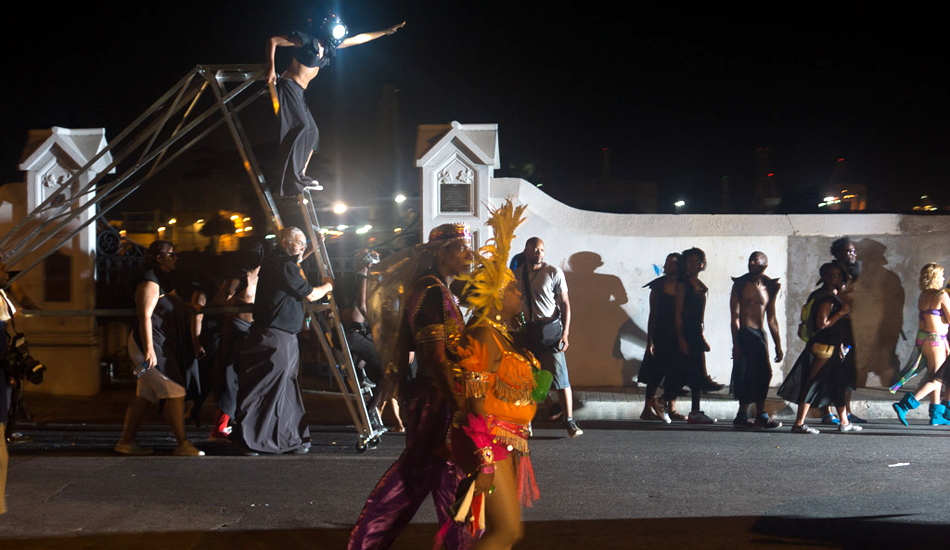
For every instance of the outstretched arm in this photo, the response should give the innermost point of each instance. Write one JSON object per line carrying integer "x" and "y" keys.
{"x": 369, "y": 36}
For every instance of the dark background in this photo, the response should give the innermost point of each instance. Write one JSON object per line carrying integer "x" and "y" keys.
{"x": 678, "y": 97}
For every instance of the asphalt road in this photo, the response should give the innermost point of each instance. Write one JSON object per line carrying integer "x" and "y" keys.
{"x": 621, "y": 485}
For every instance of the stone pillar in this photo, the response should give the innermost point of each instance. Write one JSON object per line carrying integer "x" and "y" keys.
{"x": 457, "y": 162}
{"x": 68, "y": 346}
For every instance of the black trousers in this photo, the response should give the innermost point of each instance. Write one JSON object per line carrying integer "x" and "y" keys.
{"x": 299, "y": 136}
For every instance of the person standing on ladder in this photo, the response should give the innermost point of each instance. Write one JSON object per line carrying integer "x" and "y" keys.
{"x": 299, "y": 135}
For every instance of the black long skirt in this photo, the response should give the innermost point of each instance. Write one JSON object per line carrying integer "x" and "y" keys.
{"x": 270, "y": 413}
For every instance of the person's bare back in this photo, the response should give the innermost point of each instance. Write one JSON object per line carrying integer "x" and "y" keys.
{"x": 238, "y": 293}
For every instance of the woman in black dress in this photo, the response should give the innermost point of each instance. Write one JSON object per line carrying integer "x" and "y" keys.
{"x": 160, "y": 343}
{"x": 690, "y": 314}
{"x": 818, "y": 377}
{"x": 662, "y": 359}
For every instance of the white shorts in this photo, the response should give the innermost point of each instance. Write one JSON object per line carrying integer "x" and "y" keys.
{"x": 153, "y": 385}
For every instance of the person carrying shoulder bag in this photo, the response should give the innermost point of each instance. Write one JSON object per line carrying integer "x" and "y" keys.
{"x": 547, "y": 311}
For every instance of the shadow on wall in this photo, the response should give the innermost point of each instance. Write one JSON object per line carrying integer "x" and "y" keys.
{"x": 629, "y": 347}
{"x": 596, "y": 318}
{"x": 878, "y": 315}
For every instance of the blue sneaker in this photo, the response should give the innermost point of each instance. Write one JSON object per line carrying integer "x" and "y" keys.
{"x": 830, "y": 420}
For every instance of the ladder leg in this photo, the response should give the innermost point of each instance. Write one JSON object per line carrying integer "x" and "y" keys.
{"x": 342, "y": 364}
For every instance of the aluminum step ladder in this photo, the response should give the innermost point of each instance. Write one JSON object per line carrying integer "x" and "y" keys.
{"x": 325, "y": 322}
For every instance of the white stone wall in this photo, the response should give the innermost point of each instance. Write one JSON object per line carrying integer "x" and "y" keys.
{"x": 607, "y": 258}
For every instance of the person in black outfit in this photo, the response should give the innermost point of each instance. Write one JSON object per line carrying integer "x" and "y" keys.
{"x": 752, "y": 303}
{"x": 299, "y": 135}
{"x": 239, "y": 290}
{"x": 690, "y": 314}
{"x": 270, "y": 412}
{"x": 351, "y": 299}
{"x": 161, "y": 343}
{"x": 663, "y": 363}
{"x": 818, "y": 377}
{"x": 845, "y": 256}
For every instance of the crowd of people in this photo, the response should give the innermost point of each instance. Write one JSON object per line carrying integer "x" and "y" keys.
{"x": 468, "y": 404}
{"x": 251, "y": 360}
{"x": 824, "y": 374}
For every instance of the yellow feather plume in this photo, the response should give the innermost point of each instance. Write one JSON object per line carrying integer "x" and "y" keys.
{"x": 485, "y": 285}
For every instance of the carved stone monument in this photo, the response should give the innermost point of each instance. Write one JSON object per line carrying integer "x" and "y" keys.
{"x": 457, "y": 162}
{"x": 66, "y": 279}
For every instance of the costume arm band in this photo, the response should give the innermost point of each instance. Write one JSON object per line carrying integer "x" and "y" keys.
{"x": 474, "y": 385}
{"x": 430, "y": 333}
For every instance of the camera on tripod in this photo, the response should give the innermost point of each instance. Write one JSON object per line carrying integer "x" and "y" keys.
{"x": 19, "y": 364}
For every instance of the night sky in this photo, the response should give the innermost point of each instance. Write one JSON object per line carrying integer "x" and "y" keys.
{"x": 679, "y": 98}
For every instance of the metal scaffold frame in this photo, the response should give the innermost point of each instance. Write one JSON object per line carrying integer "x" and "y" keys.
{"x": 159, "y": 143}
{"x": 162, "y": 133}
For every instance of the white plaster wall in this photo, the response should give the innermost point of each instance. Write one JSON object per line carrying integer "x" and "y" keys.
{"x": 607, "y": 258}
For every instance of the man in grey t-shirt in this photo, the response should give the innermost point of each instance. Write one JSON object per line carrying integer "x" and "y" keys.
{"x": 545, "y": 296}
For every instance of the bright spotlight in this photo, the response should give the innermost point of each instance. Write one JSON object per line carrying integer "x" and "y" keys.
{"x": 339, "y": 208}
{"x": 334, "y": 28}
{"x": 339, "y": 31}
{"x": 679, "y": 204}
{"x": 400, "y": 198}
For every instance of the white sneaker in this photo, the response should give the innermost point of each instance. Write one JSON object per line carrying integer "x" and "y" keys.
{"x": 666, "y": 418}
{"x": 699, "y": 417}
{"x": 804, "y": 429}
{"x": 573, "y": 429}
{"x": 852, "y": 427}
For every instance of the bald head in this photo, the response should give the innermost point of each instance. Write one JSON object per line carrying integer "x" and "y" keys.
{"x": 758, "y": 261}
{"x": 534, "y": 251}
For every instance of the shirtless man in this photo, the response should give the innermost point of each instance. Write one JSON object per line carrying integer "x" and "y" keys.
{"x": 299, "y": 135}
{"x": 237, "y": 291}
{"x": 753, "y": 305}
